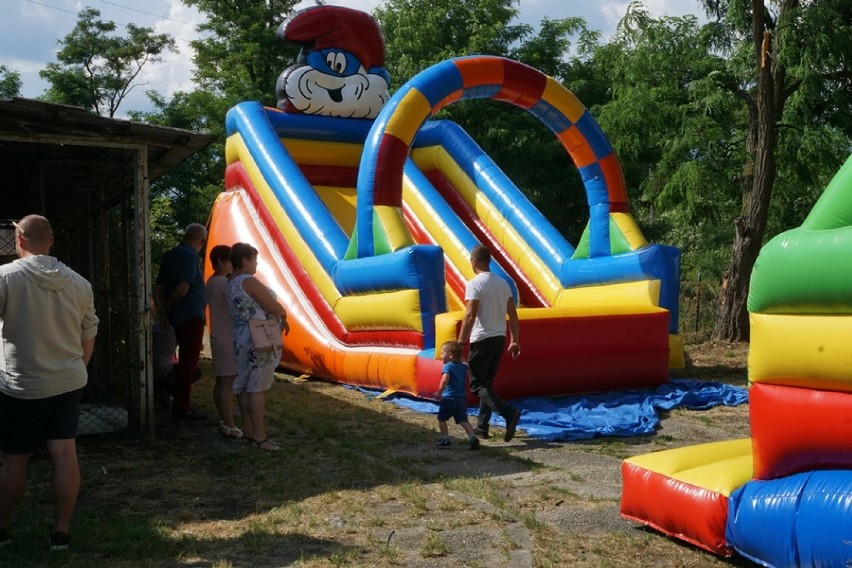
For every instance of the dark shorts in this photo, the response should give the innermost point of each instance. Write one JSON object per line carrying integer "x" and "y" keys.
{"x": 453, "y": 408}
{"x": 25, "y": 424}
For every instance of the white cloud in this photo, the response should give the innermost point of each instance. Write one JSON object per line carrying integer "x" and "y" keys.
{"x": 174, "y": 72}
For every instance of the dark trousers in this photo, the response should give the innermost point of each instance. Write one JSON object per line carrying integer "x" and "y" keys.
{"x": 483, "y": 361}
{"x": 190, "y": 336}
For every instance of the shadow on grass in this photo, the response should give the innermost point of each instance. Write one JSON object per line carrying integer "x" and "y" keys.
{"x": 117, "y": 540}
{"x": 191, "y": 497}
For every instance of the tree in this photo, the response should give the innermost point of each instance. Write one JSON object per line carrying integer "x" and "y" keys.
{"x": 420, "y": 33}
{"x": 678, "y": 102}
{"x": 10, "y": 83}
{"x": 97, "y": 69}
{"x": 788, "y": 51}
{"x": 676, "y": 133}
{"x": 238, "y": 59}
{"x": 241, "y": 57}
{"x": 186, "y": 193}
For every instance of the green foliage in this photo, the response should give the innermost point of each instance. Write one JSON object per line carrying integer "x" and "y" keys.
{"x": 816, "y": 126}
{"x": 96, "y": 69}
{"x": 675, "y": 132}
{"x": 185, "y": 195}
{"x": 420, "y": 33}
{"x": 10, "y": 83}
{"x": 240, "y": 57}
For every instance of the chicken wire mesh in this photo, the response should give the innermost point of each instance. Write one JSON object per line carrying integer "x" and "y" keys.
{"x": 86, "y": 192}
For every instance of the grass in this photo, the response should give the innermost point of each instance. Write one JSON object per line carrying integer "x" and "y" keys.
{"x": 357, "y": 484}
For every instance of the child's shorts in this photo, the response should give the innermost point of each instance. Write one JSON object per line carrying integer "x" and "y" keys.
{"x": 455, "y": 407}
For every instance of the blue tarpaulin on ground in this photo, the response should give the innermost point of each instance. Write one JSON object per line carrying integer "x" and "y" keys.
{"x": 617, "y": 413}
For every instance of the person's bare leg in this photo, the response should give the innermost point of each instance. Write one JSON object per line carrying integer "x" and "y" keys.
{"x": 217, "y": 395}
{"x": 257, "y": 402}
{"x": 472, "y": 439}
{"x": 223, "y": 398}
{"x": 66, "y": 481}
{"x": 245, "y": 411}
{"x": 468, "y": 428}
{"x": 13, "y": 483}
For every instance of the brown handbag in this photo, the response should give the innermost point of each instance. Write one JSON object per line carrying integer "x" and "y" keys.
{"x": 265, "y": 335}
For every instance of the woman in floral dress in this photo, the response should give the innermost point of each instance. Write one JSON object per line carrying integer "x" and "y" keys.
{"x": 250, "y": 299}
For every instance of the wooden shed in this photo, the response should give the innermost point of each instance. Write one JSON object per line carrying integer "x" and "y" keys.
{"x": 90, "y": 176}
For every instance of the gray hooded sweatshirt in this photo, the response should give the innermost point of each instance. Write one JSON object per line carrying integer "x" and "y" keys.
{"x": 47, "y": 311}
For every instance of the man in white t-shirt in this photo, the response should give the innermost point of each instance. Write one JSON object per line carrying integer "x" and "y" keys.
{"x": 488, "y": 300}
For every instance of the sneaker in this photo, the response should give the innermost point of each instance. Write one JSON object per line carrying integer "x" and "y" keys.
{"x": 473, "y": 442}
{"x": 4, "y": 537}
{"x": 443, "y": 443}
{"x": 511, "y": 426}
{"x": 59, "y": 541}
{"x": 481, "y": 432}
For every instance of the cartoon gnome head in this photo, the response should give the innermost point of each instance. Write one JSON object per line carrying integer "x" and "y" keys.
{"x": 340, "y": 69}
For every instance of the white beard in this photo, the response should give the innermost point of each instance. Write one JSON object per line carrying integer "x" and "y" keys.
{"x": 361, "y": 95}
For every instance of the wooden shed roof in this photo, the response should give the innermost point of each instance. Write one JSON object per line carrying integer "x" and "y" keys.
{"x": 73, "y": 151}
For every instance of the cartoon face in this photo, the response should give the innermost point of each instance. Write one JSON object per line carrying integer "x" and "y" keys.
{"x": 340, "y": 70}
{"x": 333, "y": 83}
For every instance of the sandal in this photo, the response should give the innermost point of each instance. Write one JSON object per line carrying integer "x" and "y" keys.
{"x": 267, "y": 445}
{"x": 233, "y": 433}
{"x": 247, "y": 440}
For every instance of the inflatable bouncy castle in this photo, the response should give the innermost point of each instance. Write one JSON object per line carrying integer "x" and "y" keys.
{"x": 784, "y": 496}
{"x": 364, "y": 209}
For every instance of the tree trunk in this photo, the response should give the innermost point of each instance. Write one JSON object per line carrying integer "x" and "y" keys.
{"x": 732, "y": 322}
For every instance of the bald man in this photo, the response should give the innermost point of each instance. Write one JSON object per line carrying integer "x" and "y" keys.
{"x": 181, "y": 303}
{"x": 48, "y": 327}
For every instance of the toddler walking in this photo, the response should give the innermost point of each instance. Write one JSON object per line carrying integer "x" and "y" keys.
{"x": 453, "y": 396}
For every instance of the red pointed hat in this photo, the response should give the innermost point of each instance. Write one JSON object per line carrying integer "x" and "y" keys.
{"x": 323, "y": 27}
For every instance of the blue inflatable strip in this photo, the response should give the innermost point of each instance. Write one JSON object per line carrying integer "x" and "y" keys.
{"x": 582, "y": 417}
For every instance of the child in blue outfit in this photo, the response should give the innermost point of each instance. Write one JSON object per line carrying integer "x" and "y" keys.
{"x": 452, "y": 392}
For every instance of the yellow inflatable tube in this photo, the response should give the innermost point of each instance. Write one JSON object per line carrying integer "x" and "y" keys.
{"x": 812, "y": 351}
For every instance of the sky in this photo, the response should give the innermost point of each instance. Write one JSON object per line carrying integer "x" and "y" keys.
{"x": 31, "y": 29}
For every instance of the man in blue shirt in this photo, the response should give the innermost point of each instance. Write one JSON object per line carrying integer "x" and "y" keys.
{"x": 180, "y": 302}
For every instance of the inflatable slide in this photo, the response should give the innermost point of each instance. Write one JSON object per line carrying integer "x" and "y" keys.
{"x": 784, "y": 496}
{"x": 364, "y": 216}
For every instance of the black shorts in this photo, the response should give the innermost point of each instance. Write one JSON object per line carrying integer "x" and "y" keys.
{"x": 26, "y": 423}
{"x": 455, "y": 408}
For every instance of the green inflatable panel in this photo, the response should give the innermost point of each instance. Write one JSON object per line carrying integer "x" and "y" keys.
{"x": 809, "y": 269}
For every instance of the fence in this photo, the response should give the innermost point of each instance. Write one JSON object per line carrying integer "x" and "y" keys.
{"x": 699, "y": 300}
